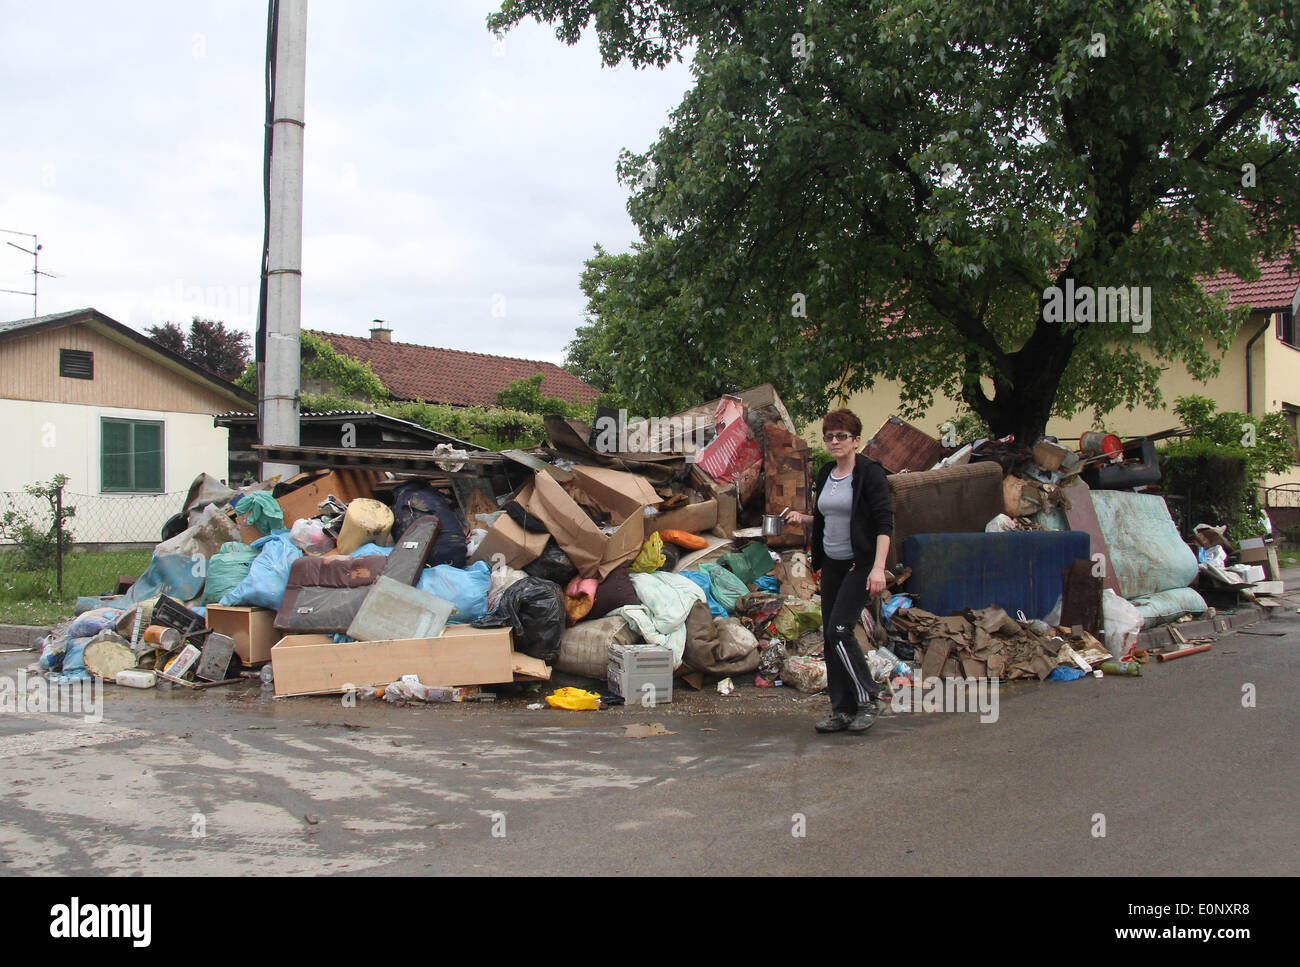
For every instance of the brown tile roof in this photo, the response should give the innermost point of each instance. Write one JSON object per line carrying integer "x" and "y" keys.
{"x": 1274, "y": 289}
{"x": 452, "y": 376}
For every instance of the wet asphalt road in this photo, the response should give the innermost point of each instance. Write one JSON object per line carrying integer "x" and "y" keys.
{"x": 1183, "y": 778}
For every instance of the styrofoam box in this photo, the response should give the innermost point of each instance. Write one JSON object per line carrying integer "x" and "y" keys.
{"x": 632, "y": 667}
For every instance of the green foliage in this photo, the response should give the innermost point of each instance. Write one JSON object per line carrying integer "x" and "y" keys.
{"x": 967, "y": 427}
{"x": 496, "y": 429}
{"x": 819, "y": 457}
{"x": 1222, "y": 465}
{"x": 893, "y": 206}
{"x": 349, "y": 377}
{"x": 351, "y": 381}
{"x": 1267, "y": 441}
{"x": 1213, "y": 478}
{"x": 526, "y": 394}
{"x": 36, "y": 535}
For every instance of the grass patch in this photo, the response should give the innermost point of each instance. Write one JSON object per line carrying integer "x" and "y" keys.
{"x": 31, "y": 598}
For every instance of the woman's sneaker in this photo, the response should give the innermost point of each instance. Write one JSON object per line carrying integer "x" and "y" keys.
{"x": 835, "y": 722}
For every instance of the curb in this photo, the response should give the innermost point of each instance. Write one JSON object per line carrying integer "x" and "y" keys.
{"x": 22, "y": 636}
{"x": 1159, "y": 638}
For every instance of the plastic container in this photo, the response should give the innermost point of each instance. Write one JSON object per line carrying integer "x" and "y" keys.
{"x": 366, "y": 520}
{"x": 136, "y": 678}
{"x": 395, "y": 611}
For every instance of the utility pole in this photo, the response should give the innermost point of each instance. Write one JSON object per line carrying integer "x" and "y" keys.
{"x": 281, "y": 364}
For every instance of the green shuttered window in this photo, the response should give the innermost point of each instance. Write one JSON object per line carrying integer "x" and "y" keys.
{"x": 131, "y": 456}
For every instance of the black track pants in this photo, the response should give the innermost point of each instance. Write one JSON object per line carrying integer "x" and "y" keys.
{"x": 844, "y": 595}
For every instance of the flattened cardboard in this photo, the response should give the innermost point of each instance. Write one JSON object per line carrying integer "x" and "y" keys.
{"x": 315, "y": 664}
{"x": 620, "y": 494}
{"x": 592, "y": 553}
{"x": 518, "y": 546}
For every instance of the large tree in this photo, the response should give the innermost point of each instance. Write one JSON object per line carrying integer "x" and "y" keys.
{"x": 209, "y": 344}
{"x": 855, "y": 191}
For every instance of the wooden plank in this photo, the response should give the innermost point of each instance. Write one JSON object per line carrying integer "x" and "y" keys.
{"x": 787, "y": 482}
{"x": 1082, "y": 516}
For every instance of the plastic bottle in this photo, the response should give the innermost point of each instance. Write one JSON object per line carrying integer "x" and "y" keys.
{"x": 267, "y": 676}
{"x": 1121, "y": 668}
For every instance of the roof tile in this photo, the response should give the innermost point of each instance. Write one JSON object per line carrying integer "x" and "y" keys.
{"x": 413, "y": 372}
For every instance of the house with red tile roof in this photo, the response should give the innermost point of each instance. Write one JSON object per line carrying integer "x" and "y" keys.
{"x": 452, "y": 376}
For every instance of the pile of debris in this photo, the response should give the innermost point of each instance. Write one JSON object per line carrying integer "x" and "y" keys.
{"x": 618, "y": 552}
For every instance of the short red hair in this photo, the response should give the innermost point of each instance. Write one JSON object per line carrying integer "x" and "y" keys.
{"x": 842, "y": 419}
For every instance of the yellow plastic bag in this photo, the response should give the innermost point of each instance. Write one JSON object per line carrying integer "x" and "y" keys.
{"x": 651, "y": 557}
{"x": 575, "y": 699}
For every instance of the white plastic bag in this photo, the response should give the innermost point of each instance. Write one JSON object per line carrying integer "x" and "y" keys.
{"x": 1123, "y": 621}
{"x": 309, "y": 535}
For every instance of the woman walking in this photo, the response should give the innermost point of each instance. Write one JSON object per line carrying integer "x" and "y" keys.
{"x": 853, "y": 522}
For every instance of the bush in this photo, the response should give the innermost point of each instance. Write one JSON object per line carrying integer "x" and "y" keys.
{"x": 1215, "y": 481}
{"x": 36, "y": 539}
{"x": 496, "y": 429}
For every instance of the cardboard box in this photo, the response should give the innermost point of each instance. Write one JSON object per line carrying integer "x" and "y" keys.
{"x": 314, "y": 664}
{"x": 693, "y": 518}
{"x": 592, "y": 553}
{"x": 1253, "y": 550}
{"x": 620, "y": 494}
{"x": 253, "y": 630}
{"x": 346, "y": 485}
{"x": 518, "y": 546}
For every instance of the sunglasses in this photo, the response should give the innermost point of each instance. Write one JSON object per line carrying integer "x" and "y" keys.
{"x": 830, "y": 437}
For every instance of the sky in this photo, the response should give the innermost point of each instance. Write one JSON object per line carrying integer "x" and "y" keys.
{"x": 453, "y": 185}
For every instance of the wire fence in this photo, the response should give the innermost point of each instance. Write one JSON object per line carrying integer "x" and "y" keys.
{"x": 97, "y": 539}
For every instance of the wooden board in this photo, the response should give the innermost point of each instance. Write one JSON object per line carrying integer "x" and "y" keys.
{"x": 1082, "y": 516}
{"x": 786, "y": 469}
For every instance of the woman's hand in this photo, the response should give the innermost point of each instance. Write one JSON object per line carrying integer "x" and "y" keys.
{"x": 794, "y": 517}
{"x": 876, "y": 580}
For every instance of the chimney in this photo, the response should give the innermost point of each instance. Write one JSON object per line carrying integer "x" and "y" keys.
{"x": 380, "y": 332}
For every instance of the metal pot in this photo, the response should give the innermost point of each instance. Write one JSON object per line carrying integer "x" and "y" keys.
{"x": 772, "y": 525}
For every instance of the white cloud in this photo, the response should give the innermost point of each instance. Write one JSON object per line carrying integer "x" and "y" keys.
{"x": 437, "y": 173}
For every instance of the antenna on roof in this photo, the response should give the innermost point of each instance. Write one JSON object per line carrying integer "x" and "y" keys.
{"x": 34, "y": 252}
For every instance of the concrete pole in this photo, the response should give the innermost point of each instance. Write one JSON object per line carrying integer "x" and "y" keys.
{"x": 279, "y": 402}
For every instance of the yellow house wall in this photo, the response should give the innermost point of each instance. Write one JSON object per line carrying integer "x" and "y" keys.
{"x": 1275, "y": 380}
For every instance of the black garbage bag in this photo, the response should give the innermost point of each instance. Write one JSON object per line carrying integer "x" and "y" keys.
{"x": 412, "y": 501}
{"x": 552, "y": 565}
{"x": 672, "y": 554}
{"x": 516, "y": 512}
{"x": 534, "y": 608}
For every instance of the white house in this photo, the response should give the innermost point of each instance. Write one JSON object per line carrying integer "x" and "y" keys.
{"x": 128, "y": 422}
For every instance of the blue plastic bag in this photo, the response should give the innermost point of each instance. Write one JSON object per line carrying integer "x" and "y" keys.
{"x": 66, "y": 665}
{"x": 894, "y": 603}
{"x": 371, "y": 548}
{"x": 465, "y": 587}
{"x": 715, "y": 609}
{"x": 1064, "y": 673}
{"x": 91, "y": 623}
{"x": 268, "y": 575}
{"x": 769, "y": 584}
